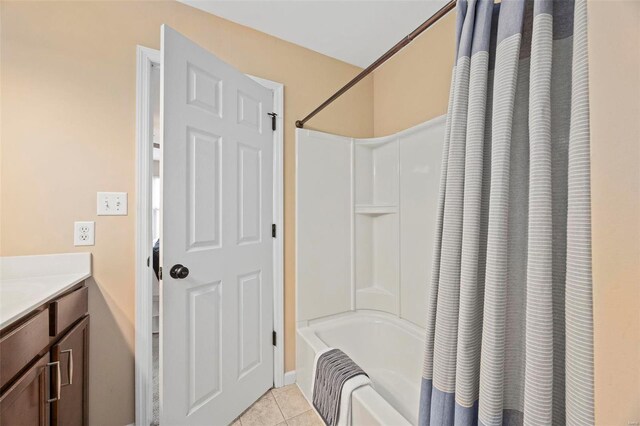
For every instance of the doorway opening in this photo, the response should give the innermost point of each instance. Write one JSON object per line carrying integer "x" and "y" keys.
{"x": 148, "y": 194}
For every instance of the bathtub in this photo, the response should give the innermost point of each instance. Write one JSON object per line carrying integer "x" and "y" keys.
{"x": 388, "y": 348}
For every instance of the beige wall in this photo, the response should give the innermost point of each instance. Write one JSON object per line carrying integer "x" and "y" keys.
{"x": 68, "y": 131}
{"x": 614, "y": 55}
{"x": 413, "y": 86}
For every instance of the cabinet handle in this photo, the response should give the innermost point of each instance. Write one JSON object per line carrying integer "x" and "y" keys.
{"x": 69, "y": 366}
{"x": 59, "y": 380}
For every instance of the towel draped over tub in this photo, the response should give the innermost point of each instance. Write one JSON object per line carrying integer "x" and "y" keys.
{"x": 335, "y": 377}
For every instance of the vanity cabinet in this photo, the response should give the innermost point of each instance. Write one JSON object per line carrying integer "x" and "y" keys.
{"x": 44, "y": 363}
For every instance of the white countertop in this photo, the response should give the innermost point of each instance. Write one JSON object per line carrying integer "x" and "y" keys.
{"x": 27, "y": 282}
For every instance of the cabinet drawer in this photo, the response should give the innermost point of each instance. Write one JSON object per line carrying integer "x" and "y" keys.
{"x": 68, "y": 309}
{"x": 22, "y": 345}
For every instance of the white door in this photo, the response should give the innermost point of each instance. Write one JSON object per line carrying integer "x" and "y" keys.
{"x": 216, "y": 353}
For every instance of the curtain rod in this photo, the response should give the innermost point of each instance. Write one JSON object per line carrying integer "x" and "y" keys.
{"x": 382, "y": 59}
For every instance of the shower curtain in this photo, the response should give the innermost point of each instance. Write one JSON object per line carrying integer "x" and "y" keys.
{"x": 509, "y": 325}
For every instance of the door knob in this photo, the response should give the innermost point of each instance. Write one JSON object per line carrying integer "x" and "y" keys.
{"x": 179, "y": 272}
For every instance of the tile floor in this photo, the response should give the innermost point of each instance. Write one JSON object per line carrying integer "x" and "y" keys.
{"x": 284, "y": 406}
{"x": 280, "y": 407}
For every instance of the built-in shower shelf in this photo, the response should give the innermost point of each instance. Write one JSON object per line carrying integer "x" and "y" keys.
{"x": 375, "y": 210}
{"x": 375, "y": 289}
{"x": 376, "y": 297}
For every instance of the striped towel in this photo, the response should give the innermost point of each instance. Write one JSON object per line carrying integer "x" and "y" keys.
{"x": 335, "y": 377}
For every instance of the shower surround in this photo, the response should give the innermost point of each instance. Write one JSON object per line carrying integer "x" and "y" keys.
{"x": 366, "y": 216}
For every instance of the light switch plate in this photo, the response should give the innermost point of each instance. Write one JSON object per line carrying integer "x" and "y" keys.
{"x": 84, "y": 233}
{"x": 112, "y": 204}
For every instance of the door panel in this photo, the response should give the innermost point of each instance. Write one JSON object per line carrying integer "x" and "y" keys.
{"x": 203, "y": 205}
{"x": 216, "y": 356}
{"x": 205, "y": 344}
{"x": 251, "y": 342}
{"x": 249, "y": 191}
{"x": 204, "y": 90}
{"x": 249, "y": 111}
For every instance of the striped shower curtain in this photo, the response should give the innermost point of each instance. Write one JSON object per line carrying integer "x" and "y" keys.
{"x": 509, "y": 325}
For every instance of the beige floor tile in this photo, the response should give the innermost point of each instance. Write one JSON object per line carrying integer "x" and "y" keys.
{"x": 264, "y": 412}
{"x": 308, "y": 418}
{"x": 236, "y": 423}
{"x": 291, "y": 401}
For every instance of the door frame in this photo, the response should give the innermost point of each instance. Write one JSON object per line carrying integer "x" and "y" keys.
{"x": 146, "y": 59}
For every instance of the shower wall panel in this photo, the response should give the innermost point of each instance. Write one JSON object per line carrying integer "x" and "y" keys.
{"x": 324, "y": 223}
{"x": 420, "y": 165}
{"x": 366, "y": 216}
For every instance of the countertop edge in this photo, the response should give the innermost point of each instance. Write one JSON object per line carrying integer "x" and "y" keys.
{"x": 39, "y": 302}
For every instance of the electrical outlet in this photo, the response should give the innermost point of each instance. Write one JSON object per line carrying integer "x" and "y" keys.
{"x": 84, "y": 233}
{"x": 112, "y": 204}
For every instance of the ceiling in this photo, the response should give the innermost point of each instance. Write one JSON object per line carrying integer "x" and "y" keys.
{"x": 353, "y": 31}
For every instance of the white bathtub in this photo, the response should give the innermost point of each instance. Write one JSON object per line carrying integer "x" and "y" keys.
{"x": 388, "y": 348}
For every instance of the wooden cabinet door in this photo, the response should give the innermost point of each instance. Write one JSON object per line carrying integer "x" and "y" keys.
{"x": 25, "y": 402}
{"x": 73, "y": 353}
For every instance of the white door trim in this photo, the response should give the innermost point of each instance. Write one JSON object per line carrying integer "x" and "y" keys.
{"x": 278, "y": 220}
{"x": 146, "y": 58}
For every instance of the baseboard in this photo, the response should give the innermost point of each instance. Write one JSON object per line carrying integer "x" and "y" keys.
{"x": 289, "y": 377}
